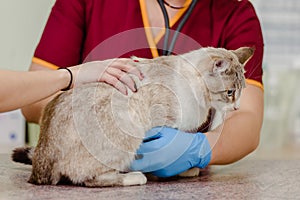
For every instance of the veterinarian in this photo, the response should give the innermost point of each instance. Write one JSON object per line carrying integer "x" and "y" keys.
{"x": 20, "y": 89}
{"x": 79, "y": 31}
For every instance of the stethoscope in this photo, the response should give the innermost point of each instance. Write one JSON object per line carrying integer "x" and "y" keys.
{"x": 167, "y": 49}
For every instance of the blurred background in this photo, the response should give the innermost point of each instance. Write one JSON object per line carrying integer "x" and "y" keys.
{"x": 22, "y": 23}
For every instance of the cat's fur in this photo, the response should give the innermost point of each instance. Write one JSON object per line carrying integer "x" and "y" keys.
{"x": 90, "y": 134}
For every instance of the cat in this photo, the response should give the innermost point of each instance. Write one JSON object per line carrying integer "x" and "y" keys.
{"x": 89, "y": 135}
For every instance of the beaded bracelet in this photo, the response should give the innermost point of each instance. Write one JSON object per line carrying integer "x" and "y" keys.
{"x": 71, "y": 79}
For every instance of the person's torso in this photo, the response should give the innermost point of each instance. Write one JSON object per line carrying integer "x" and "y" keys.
{"x": 116, "y": 28}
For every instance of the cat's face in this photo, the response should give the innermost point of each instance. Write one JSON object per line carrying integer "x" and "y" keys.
{"x": 225, "y": 80}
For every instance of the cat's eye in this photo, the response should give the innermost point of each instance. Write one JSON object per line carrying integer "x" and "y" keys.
{"x": 230, "y": 93}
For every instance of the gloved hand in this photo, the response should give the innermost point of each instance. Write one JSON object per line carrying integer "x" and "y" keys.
{"x": 167, "y": 152}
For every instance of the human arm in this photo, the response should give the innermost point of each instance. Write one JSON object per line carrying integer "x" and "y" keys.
{"x": 63, "y": 44}
{"x": 167, "y": 152}
{"x": 114, "y": 72}
{"x": 171, "y": 152}
{"x": 240, "y": 133}
{"x": 19, "y": 88}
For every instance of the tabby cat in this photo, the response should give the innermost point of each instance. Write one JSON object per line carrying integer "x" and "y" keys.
{"x": 90, "y": 134}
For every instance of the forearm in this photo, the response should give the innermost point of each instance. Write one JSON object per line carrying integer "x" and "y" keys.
{"x": 33, "y": 112}
{"x": 239, "y": 134}
{"x": 22, "y": 88}
{"x": 235, "y": 139}
{"x": 114, "y": 72}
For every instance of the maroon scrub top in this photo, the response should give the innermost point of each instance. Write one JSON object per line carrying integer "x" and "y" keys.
{"x": 84, "y": 30}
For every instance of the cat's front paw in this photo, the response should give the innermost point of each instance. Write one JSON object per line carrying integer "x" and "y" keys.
{"x": 190, "y": 173}
{"x": 134, "y": 178}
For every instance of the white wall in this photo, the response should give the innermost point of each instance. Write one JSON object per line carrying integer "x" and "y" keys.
{"x": 21, "y": 25}
{"x": 280, "y": 20}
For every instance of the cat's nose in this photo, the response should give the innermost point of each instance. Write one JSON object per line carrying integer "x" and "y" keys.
{"x": 235, "y": 108}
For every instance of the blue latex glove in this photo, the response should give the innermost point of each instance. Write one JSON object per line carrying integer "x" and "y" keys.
{"x": 167, "y": 152}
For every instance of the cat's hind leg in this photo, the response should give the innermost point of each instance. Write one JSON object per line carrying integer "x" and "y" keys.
{"x": 44, "y": 173}
{"x": 115, "y": 178}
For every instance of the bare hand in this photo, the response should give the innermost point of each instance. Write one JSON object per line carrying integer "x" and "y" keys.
{"x": 114, "y": 72}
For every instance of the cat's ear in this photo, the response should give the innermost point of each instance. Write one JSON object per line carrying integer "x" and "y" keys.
{"x": 244, "y": 54}
{"x": 220, "y": 65}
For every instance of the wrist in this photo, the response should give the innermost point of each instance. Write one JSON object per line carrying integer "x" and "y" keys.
{"x": 212, "y": 142}
{"x": 205, "y": 152}
{"x": 67, "y": 77}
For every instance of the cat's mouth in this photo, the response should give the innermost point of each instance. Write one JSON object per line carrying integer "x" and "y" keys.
{"x": 230, "y": 108}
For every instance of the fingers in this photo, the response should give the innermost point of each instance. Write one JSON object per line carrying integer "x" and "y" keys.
{"x": 114, "y": 72}
{"x": 148, "y": 163}
{"x": 140, "y": 165}
{"x": 152, "y": 134}
{"x": 123, "y": 65}
{"x": 117, "y": 74}
{"x": 151, "y": 146}
{"x": 123, "y": 77}
{"x": 113, "y": 81}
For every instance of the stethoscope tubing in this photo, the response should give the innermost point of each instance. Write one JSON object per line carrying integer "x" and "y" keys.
{"x": 167, "y": 50}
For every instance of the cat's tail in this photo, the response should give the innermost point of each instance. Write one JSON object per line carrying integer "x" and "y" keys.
{"x": 23, "y": 155}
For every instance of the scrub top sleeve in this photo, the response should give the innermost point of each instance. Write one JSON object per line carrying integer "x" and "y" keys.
{"x": 61, "y": 41}
{"x": 244, "y": 30}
